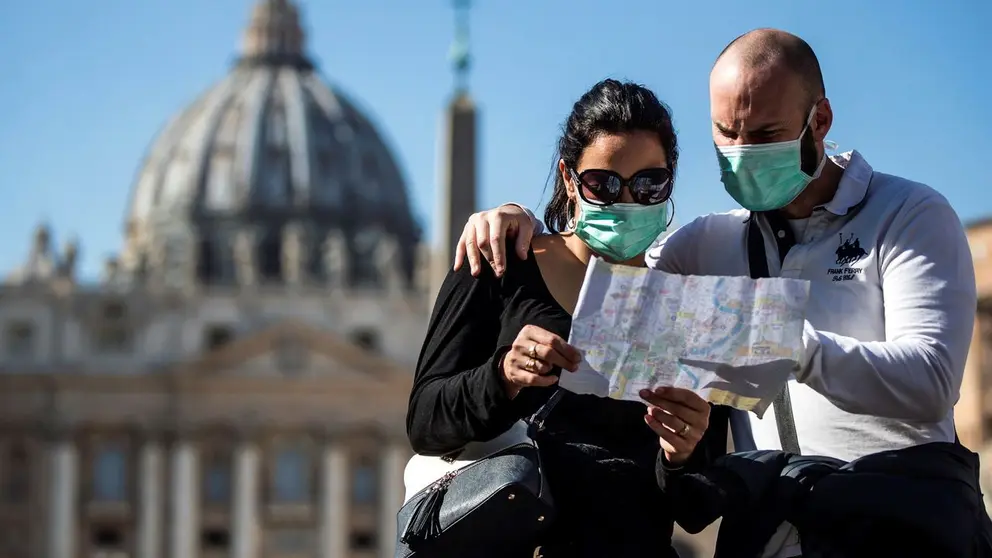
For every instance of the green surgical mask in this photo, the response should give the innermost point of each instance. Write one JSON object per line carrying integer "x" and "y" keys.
{"x": 768, "y": 176}
{"x": 622, "y": 230}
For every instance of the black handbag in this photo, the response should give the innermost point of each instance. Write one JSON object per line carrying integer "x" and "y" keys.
{"x": 500, "y": 501}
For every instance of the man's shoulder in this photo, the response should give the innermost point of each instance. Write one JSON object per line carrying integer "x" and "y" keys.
{"x": 900, "y": 207}
{"x": 680, "y": 251}
{"x": 900, "y": 193}
{"x": 713, "y": 223}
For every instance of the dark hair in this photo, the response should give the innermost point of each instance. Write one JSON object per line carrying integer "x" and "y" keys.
{"x": 610, "y": 107}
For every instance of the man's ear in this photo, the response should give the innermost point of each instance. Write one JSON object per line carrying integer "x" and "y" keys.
{"x": 823, "y": 119}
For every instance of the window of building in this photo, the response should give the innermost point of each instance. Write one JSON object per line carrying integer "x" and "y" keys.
{"x": 291, "y": 476}
{"x": 215, "y": 539}
{"x": 216, "y": 336}
{"x": 364, "y": 481}
{"x": 362, "y": 540}
{"x": 366, "y": 338}
{"x": 217, "y": 478}
{"x": 110, "y": 474}
{"x": 15, "y": 473}
{"x": 108, "y": 541}
{"x": 19, "y": 339}
{"x": 206, "y": 263}
{"x": 113, "y": 333}
{"x": 270, "y": 257}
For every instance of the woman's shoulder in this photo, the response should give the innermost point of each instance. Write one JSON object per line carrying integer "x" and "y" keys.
{"x": 548, "y": 242}
{"x": 516, "y": 269}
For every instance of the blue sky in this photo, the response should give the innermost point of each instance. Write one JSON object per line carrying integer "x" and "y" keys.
{"x": 87, "y": 85}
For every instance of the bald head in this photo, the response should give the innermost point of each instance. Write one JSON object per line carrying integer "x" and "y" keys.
{"x": 771, "y": 51}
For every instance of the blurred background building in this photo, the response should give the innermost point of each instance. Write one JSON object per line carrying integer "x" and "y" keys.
{"x": 236, "y": 385}
{"x": 973, "y": 413}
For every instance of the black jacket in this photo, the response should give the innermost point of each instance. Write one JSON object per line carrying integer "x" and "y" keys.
{"x": 919, "y": 501}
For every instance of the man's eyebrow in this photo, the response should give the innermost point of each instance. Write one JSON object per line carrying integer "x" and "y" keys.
{"x": 765, "y": 128}
{"x": 721, "y": 127}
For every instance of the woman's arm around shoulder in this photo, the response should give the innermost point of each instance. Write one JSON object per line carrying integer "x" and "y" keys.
{"x": 459, "y": 395}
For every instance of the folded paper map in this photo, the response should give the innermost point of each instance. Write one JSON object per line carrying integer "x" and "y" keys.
{"x": 732, "y": 340}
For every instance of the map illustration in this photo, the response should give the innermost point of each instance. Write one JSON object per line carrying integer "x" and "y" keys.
{"x": 732, "y": 340}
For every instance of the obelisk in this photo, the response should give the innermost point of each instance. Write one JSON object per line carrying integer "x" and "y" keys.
{"x": 457, "y": 156}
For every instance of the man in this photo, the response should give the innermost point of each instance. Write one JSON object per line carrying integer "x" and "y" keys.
{"x": 892, "y": 299}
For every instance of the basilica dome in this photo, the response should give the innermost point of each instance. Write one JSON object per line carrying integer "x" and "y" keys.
{"x": 271, "y": 168}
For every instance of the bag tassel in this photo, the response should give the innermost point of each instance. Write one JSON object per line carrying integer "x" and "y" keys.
{"x": 425, "y": 522}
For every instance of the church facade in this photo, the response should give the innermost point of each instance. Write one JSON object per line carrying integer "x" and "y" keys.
{"x": 236, "y": 384}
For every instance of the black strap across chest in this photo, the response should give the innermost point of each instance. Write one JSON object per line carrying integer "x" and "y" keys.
{"x": 758, "y": 267}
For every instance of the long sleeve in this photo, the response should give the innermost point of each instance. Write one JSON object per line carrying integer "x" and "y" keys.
{"x": 458, "y": 395}
{"x": 928, "y": 286}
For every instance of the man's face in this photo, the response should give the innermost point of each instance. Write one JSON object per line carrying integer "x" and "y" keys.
{"x": 757, "y": 105}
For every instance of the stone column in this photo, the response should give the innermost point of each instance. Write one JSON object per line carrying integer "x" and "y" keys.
{"x": 150, "y": 517}
{"x": 245, "y": 510}
{"x": 185, "y": 505}
{"x": 63, "y": 482}
{"x": 394, "y": 458}
{"x": 334, "y": 499}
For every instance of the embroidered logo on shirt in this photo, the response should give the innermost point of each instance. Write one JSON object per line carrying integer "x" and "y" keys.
{"x": 848, "y": 252}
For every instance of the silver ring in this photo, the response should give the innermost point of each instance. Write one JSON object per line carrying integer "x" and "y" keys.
{"x": 685, "y": 430}
{"x": 533, "y": 351}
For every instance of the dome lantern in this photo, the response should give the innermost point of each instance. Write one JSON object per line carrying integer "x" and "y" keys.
{"x": 275, "y": 35}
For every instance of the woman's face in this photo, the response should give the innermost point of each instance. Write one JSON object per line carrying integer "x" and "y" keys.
{"x": 624, "y": 154}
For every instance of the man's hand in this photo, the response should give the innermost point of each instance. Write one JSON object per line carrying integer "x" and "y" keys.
{"x": 485, "y": 234}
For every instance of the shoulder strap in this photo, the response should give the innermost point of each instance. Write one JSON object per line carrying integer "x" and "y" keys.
{"x": 758, "y": 264}
{"x": 536, "y": 422}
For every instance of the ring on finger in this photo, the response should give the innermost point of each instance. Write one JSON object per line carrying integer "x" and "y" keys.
{"x": 530, "y": 365}
{"x": 685, "y": 430}
{"x": 532, "y": 353}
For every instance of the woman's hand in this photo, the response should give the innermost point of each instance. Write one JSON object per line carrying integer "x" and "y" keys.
{"x": 679, "y": 417}
{"x": 533, "y": 354}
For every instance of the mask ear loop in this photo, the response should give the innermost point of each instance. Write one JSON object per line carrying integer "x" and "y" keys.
{"x": 671, "y": 216}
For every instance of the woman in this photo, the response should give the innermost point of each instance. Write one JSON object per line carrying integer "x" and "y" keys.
{"x": 495, "y": 347}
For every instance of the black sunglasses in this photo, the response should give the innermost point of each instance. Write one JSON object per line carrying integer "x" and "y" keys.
{"x": 603, "y": 187}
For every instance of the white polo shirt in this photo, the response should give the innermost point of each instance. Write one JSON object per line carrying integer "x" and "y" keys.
{"x": 889, "y": 321}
